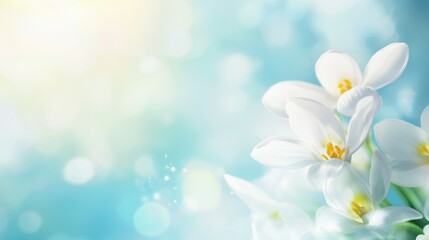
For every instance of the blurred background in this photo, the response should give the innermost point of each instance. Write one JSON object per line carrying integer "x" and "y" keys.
{"x": 118, "y": 118}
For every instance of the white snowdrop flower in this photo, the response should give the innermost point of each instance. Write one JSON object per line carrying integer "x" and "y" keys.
{"x": 320, "y": 138}
{"x": 271, "y": 219}
{"x": 408, "y": 147}
{"x": 354, "y": 202}
{"x": 343, "y": 84}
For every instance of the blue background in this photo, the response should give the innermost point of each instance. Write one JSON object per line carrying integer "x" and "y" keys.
{"x": 106, "y": 106}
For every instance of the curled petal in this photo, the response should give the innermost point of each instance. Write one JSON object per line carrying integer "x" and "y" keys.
{"x": 360, "y": 124}
{"x": 276, "y": 96}
{"x": 337, "y": 72}
{"x": 386, "y": 65}
{"x": 348, "y": 102}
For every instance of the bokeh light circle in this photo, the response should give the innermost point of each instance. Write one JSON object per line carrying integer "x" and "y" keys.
{"x": 30, "y": 222}
{"x": 201, "y": 190}
{"x": 78, "y": 171}
{"x": 152, "y": 219}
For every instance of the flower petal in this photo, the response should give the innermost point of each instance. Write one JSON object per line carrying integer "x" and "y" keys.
{"x": 389, "y": 216}
{"x": 276, "y": 96}
{"x": 334, "y": 68}
{"x": 343, "y": 186}
{"x": 399, "y": 139}
{"x": 424, "y": 119}
{"x": 293, "y": 223}
{"x": 332, "y": 221}
{"x": 416, "y": 177}
{"x": 360, "y": 124}
{"x": 318, "y": 172}
{"x": 281, "y": 152}
{"x": 379, "y": 179}
{"x": 386, "y": 65}
{"x": 348, "y": 102}
{"x": 257, "y": 200}
{"x": 314, "y": 123}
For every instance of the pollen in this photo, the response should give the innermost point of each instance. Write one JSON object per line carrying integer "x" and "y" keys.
{"x": 333, "y": 151}
{"x": 344, "y": 86}
{"x": 360, "y": 206}
{"x": 424, "y": 150}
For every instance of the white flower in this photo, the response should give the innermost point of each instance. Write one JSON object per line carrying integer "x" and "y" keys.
{"x": 271, "y": 219}
{"x": 425, "y": 235}
{"x": 408, "y": 146}
{"x": 354, "y": 201}
{"x": 320, "y": 137}
{"x": 341, "y": 80}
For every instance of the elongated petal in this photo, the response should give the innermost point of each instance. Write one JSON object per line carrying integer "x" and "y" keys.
{"x": 276, "y": 96}
{"x": 281, "y": 152}
{"x": 348, "y": 102}
{"x": 360, "y": 124}
{"x": 386, "y": 65}
{"x": 332, "y": 221}
{"x": 258, "y": 201}
{"x": 335, "y": 68}
{"x": 416, "y": 177}
{"x": 379, "y": 179}
{"x": 314, "y": 123}
{"x": 424, "y": 119}
{"x": 392, "y": 215}
{"x": 399, "y": 139}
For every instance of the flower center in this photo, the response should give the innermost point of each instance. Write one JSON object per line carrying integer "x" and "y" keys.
{"x": 276, "y": 218}
{"x": 424, "y": 150}
{"x": 360, "y": 206}
{"x": 344, "y": 86}
{"x": 333, "y": 151}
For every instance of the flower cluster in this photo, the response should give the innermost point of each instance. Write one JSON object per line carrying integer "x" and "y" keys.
{"x": 317, "y": 187}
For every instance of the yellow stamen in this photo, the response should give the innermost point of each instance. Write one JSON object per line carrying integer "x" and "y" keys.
{"x": 344, "y": 86}
{"x": 333, "y": 151}
{"x": 424, "y": 150}
{"x": 276, "y": 215}
{"x": 360, "y": 206}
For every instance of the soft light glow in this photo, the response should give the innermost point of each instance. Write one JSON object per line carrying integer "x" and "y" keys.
{"x": 145, "y": 167}
{"x": 236, "y": 69}
{"x": 30, "y": 222}
{"x": 201, "y": 190}
{"x": 152, "y": 220}
{"x": 78, "y": 171}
